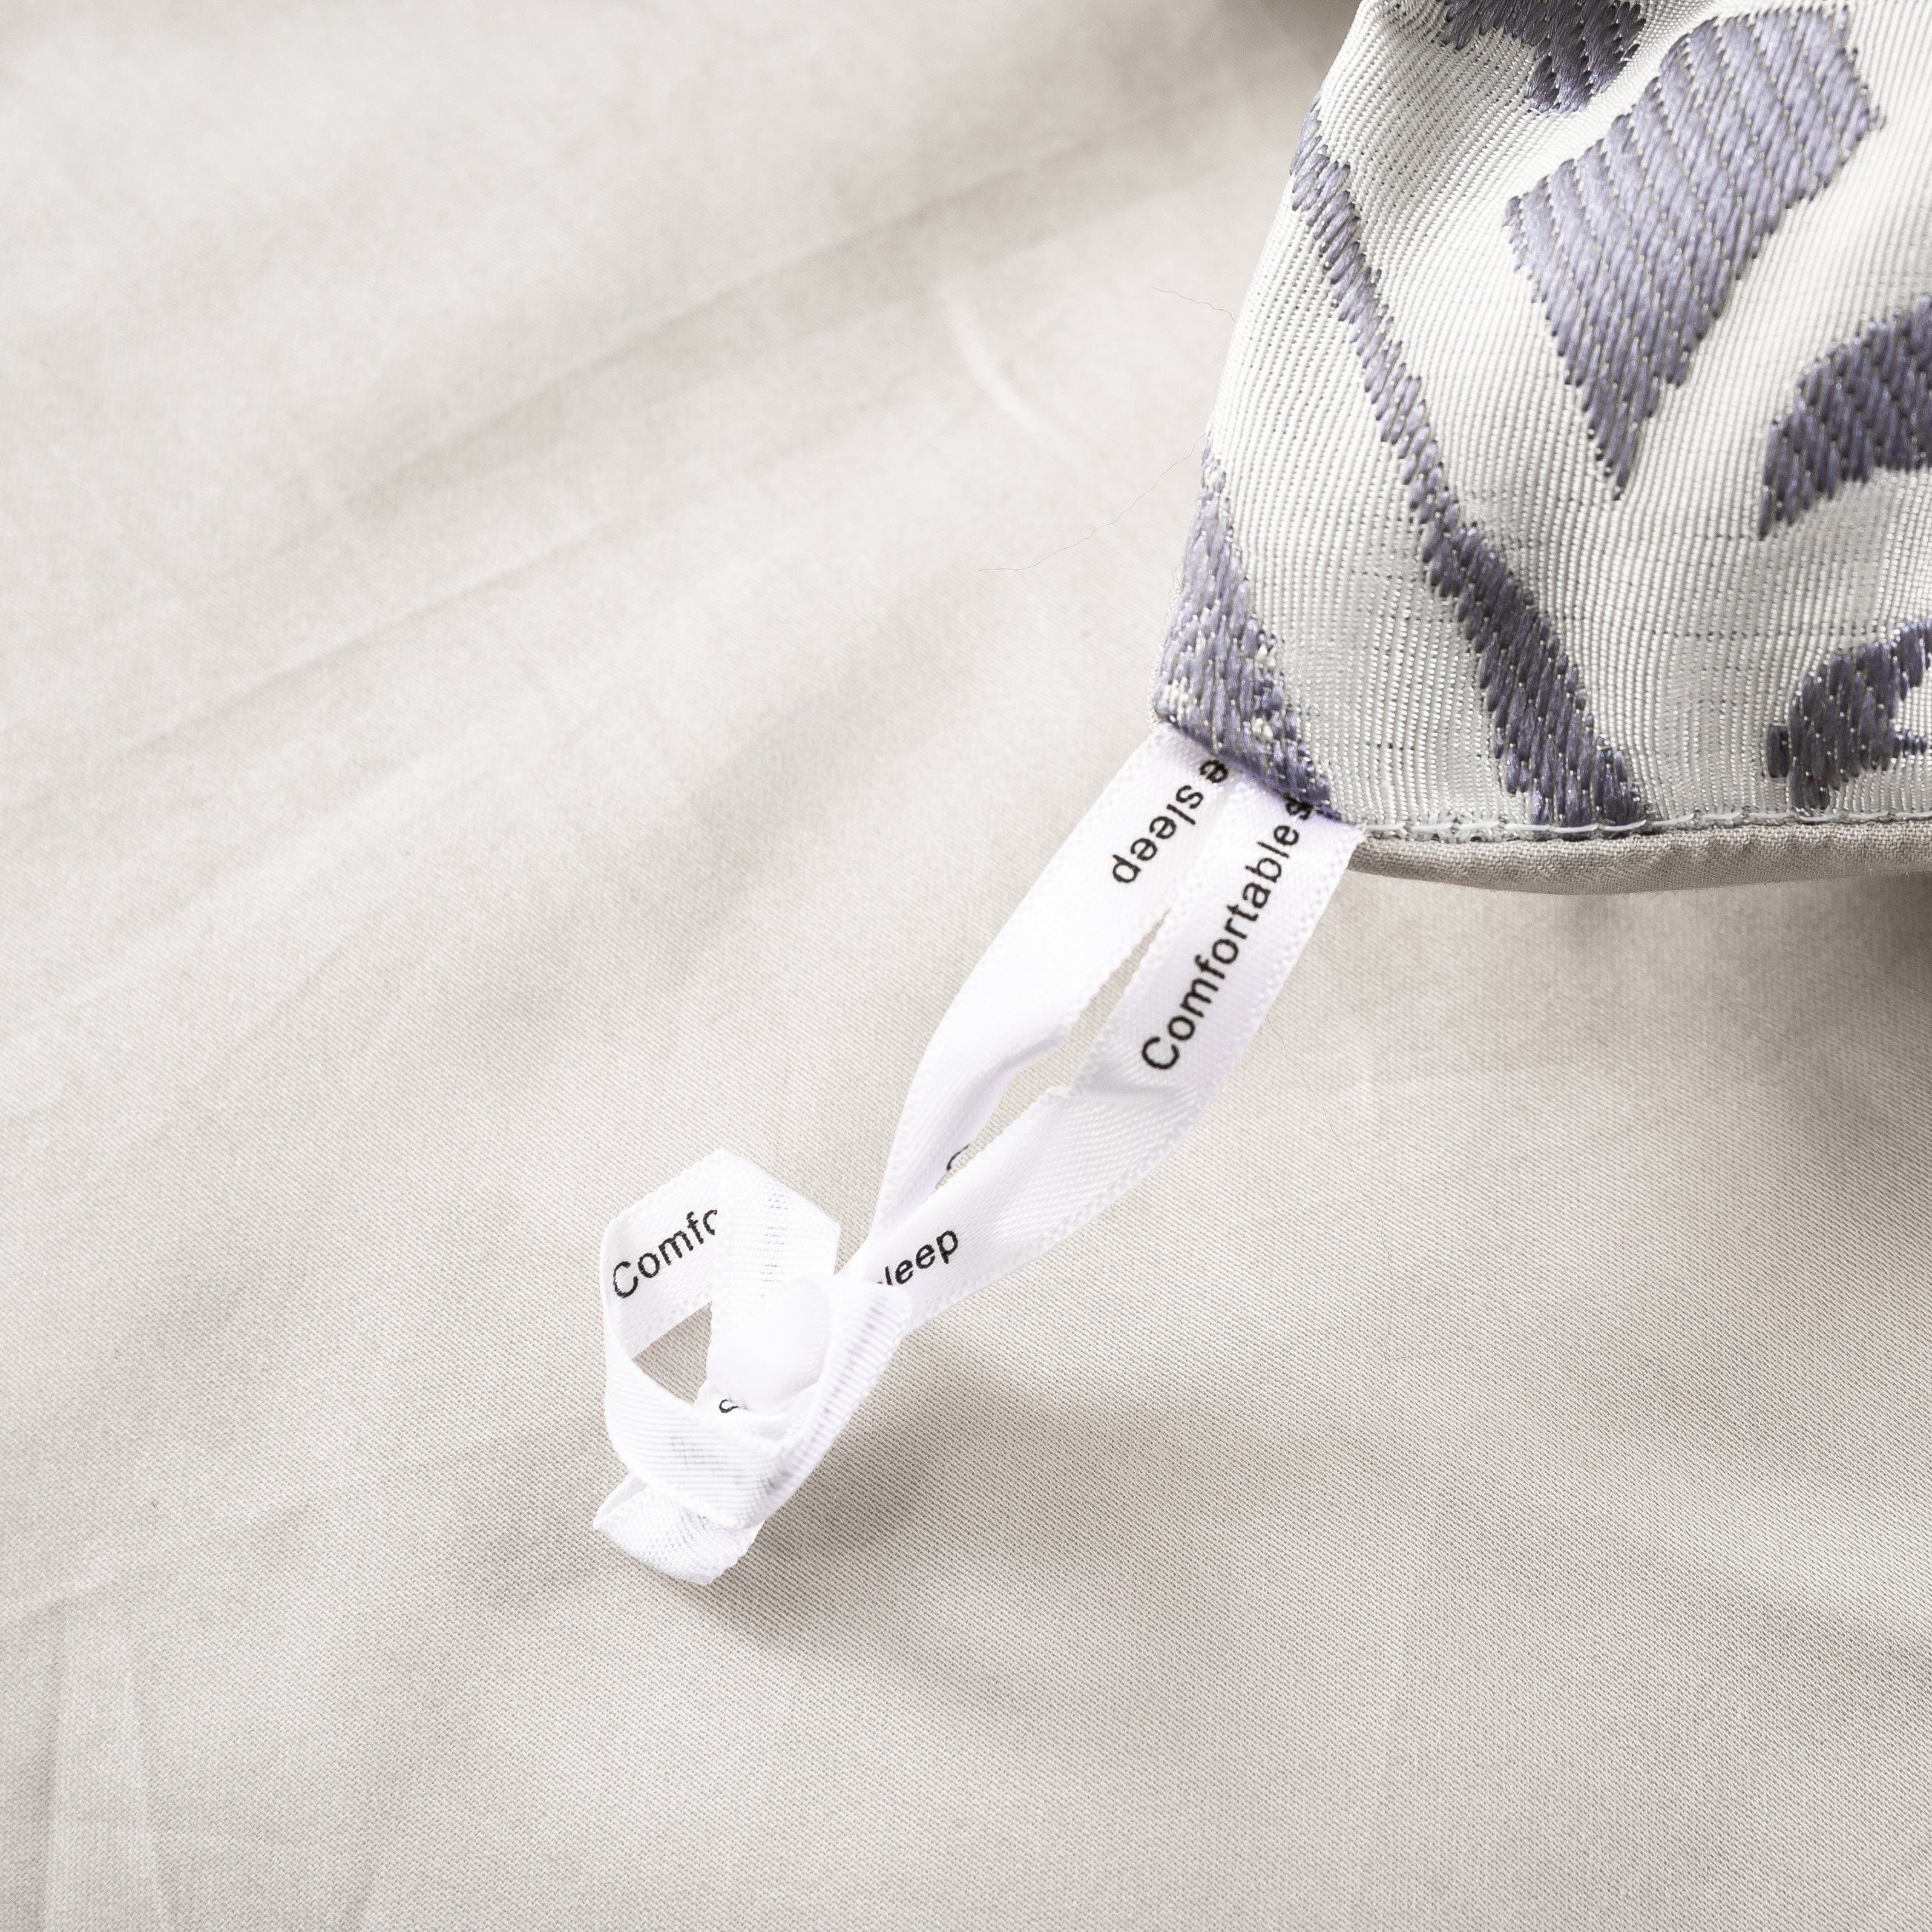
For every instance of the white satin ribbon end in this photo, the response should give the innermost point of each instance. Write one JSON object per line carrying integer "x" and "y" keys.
{"x": 655, "y": 1528}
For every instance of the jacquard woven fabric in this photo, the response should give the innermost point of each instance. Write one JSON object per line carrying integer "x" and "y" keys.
{"x": 1569, "y": 478}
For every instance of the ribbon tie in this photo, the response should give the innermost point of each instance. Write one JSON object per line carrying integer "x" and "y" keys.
{"x": 1233, "y": 878}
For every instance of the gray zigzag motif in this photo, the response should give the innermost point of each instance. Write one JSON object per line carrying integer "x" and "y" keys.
{"x": 1542, "y": 731}
{"x": 1219, "y": 678}
{"x": 1843, "y": 719}
{"x": 1633, "y": 246}
{"x": 1580, "y": 46}
{"x": 1867, "y": 406}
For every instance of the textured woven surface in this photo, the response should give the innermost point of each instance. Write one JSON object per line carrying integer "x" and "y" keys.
{"x": 1575, "y": 426}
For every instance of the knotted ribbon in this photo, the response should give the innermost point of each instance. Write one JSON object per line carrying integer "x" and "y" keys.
{"x": 1234, "y": 879}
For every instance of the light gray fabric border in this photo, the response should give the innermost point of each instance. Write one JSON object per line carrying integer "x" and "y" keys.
{"x": 1654, "y": 861}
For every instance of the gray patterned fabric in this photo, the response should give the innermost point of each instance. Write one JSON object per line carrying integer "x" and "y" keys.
{"x": 1581, "y": 46}
{"x": 1634, "y": 245}
{"x": 1866, "y": 406}
{"x": 1844, "y": 720}
{"x": 1535, "y": 437}
{"x": 1545, "y": 738}
{"x": 1219, "y": 675}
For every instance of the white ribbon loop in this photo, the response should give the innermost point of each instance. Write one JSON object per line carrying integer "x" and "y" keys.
{"x": 1102, "y": 893}
{"x": 794, "y": 1346}
{"x": 792, "y": 1352}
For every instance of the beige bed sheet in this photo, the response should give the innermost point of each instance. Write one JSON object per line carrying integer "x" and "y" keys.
{"x": 564, "y": 567}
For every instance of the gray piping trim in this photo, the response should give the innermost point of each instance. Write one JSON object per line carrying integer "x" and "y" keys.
{"x": 1543, "y": 734}
{"x": 1665, "y": 861}
{"x": 1633, "y": 246}
{"x": 1866, "y": 406}
{"x": 1581, "y": 46}
{"x": 1220, "y": 678}
{"x": 1503, "y": 831}
{"x": 1843, "y": 719}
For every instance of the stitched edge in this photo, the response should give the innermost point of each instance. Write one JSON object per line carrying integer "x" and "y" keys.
{"x": 1501, "y": 832}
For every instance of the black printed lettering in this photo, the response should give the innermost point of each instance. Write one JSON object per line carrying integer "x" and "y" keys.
{"x": 937, "y": 1253}
{"x": 1191, "y": 1010}
{"x": 675, "y": 1246}
{"x": 1165, "y": 824}
{"x": 1198, "y": 998}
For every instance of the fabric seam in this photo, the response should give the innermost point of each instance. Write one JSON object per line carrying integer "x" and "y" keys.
{"x": 1485, "y": 831}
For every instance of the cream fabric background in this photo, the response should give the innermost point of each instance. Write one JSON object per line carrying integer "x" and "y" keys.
{"x": 566, "y": 567}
